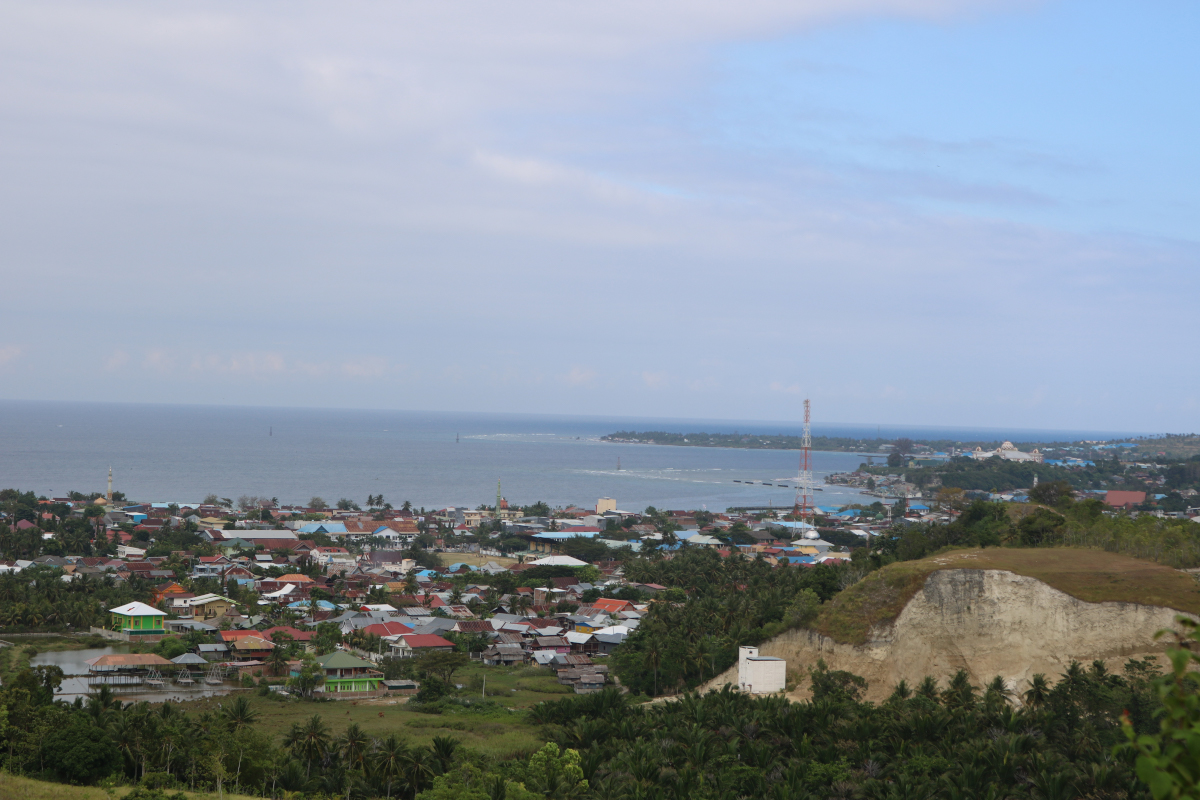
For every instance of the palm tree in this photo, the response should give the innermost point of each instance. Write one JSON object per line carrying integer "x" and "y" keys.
{"x": 239, "y": 714}
{"x": 238, "y": 717}
{"x": 997, "y": 693}
{"x": 277, "y": 660}
{"x": 444, "y": 748}
{"x": 418, "y": 770}
{"x": 1038, "y": 692}
{"x": 309, "y": 741}
{"x": 391, "y": 755}
{"x": 355, "y": 746}
{"x": 102, "y": 703}
{"x": 653, "y": 654}
{"x": 928, "y": 689}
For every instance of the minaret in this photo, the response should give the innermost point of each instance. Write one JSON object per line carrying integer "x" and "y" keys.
{"x": 497, "y": 498}
{"x": 108, "y": 497}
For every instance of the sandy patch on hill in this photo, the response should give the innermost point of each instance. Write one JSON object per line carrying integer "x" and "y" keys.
{"x": 988, "y": 622}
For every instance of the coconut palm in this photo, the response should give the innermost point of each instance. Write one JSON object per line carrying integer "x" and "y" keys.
{"x": 389, "y": 762}
{"x": 277, "y": 660}
{"x": 1038, "y": 692}
{"x": 355, "y": 746}
{"x": 239, "y": 714}
{"x": 308, "y": 741}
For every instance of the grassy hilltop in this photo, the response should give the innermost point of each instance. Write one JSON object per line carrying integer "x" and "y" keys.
{"x": 1094, "y": 576}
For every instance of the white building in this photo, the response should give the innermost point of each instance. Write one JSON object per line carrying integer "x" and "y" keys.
{"x": 1008, "y": 451}
{"x": 760, "y": 674}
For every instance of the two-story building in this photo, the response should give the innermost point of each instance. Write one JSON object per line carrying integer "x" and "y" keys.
{"x": 136, "y": 620}
{"x": 345, "y": 672}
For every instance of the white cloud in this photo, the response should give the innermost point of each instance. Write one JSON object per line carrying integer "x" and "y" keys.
{"x": 580, "y": 376}
{"x": 251, "y": 364}
{"x": 118, "y": 359}
{"x": 9, "y": 353}
{"x": 366, "y": 367}
{"x": 159, "y": 360}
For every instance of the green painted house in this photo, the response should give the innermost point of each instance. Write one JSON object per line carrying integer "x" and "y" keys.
{"x": 137, "y": 619}
{"x": 348, "y": 673}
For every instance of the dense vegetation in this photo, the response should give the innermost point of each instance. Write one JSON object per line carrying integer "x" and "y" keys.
{"x": 1175, "y": 542}
{"x": 160, "y": 746}
{"x": 37, "y": 598}
{"x": 998, "y": 475}
{"x": 727, "y": 602}
{"x": 1047, "y": 739}
{"x": 949, "y": 741}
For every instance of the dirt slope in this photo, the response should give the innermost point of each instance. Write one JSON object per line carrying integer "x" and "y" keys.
{"x": 989, "y": 622}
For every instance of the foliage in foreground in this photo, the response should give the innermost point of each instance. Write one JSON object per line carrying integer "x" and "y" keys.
{"x": 1169, "y": 761}
{"x": 953, "y": 741}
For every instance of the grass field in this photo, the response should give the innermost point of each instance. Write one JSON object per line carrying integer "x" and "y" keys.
{"x": 1090, "y": 575}
{"x": 14, "y": 788}
{"x": 501, "y": 731}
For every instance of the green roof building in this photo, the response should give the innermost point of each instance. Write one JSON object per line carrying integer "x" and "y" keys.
{"x": 348, "y": 673}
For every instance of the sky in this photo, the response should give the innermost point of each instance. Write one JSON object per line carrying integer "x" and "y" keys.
{"x": 910, "y": 211}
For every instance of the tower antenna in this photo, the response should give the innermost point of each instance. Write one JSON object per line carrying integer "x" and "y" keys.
{"x": 804, "y": 481}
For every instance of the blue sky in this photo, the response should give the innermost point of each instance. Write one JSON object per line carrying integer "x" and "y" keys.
{"x": 911, "y": 211}
{"x": 1074, "y": 114}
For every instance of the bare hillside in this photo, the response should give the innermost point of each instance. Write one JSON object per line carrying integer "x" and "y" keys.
{"x": 989, "y": 622}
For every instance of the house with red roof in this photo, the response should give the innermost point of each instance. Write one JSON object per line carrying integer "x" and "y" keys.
{"x": 1126, "y": 500}
{"x": 612, "y": 606}
{"x": 415, "y": 645}
{"x": 383, "y": 629}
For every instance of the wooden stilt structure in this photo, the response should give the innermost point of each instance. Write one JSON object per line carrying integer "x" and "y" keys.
{"x": 216, "y": 676}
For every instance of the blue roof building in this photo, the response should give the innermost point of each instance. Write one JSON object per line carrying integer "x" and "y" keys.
{"x": 323, "y": 527}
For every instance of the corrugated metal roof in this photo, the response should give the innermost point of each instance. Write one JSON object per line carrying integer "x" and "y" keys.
{"x": 128, "y": 660}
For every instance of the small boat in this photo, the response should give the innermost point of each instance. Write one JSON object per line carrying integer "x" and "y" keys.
{"x": 768, "y": 484}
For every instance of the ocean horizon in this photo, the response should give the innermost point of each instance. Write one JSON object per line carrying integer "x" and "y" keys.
{"x": 180, "y": 453}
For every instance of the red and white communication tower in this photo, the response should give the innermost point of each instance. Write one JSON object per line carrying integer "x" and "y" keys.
{"x": 804, "y": 481}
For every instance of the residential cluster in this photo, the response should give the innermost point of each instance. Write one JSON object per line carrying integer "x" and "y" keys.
{"x": 266, "y": 591}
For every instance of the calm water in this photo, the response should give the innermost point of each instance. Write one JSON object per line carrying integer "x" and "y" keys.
{"x": 181, "y": 453}
{"x": 74, "y": 665}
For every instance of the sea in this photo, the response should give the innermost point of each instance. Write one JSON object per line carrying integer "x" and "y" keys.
{"x": 181, "y": 453}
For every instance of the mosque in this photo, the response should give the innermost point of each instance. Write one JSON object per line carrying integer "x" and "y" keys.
{"x": 1008, "y": 451}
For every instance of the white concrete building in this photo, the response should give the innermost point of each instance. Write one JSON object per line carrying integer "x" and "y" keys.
{"x": 760, "y": 674}
{"x": 1008, "y": 451}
